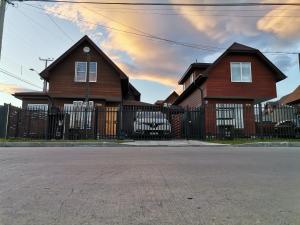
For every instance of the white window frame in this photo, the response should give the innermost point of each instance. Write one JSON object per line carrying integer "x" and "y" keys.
{"x": 75, "y": 77}
{"x": 241, "y": 72}
{"x": 230, "y": 114}
{"x": 95, "y": 72}
{"x": 192, "y": 78}
{"x": 183, "y": 86}
{"x": 37, "y": 107}
{"x": 77, "y": 114}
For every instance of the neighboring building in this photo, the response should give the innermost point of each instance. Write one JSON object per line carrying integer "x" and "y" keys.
{"x": 241, "y": 77}
{"x": 66, "y": 77}
{"x": 283, "y": 109}
{"x": 168, "y": 101}
{"x": 292, "y": 98}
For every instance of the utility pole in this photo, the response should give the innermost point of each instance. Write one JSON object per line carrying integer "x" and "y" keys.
{"x": 87, "y": 50}
{"x": 46, "y": 60}
{"x": 2, "y": 13}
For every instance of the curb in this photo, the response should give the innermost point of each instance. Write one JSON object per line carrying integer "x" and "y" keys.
{"x": 127, "y": 143}
{"x": 56, "y": 144}
{"x": 122, "y": 145}
{"x": 270, "y": 144}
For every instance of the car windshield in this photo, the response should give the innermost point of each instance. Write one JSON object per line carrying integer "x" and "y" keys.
{"x": 158, "y": 115}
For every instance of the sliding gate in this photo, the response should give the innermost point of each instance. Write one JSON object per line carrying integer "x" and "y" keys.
{"x": 76, "y": 123}
{"x": 156, "y": 123}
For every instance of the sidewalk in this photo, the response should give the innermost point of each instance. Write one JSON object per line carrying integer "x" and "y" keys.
{"x": 105, "y": 143}
{"x": 175, "y": 143}
{"x": 142, "y": 143}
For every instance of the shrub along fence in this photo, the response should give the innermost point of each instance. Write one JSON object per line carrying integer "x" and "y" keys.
{"x": 218, "y": 121}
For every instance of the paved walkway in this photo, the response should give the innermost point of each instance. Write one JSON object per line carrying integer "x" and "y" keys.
{"x": 171, "y": 143}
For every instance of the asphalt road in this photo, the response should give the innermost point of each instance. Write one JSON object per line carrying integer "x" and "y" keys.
{"x": 86, "y": 186}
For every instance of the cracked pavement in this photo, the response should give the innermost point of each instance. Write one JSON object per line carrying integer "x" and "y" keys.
{"x": 149, "y": 185}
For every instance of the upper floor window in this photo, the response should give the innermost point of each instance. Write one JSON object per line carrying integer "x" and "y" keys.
{"x": 241, "y": 72}
{"x": 192, "y": 78}
{"x": 81, "y": 71}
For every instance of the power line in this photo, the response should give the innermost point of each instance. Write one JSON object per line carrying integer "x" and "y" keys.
{"x": 150, "y": 36}
{"x": 59, "y": 28}
{"x": 42, "y": 27}
{"x": 7, "y": 73}
{"x": 209, "y": 15}
{"x": 246, "y": 4}
{"x": 190, "y": 45}
{"x": 38, "y": 24}
{"x": 195, "y": 11}
{"x": 124, "y": 9}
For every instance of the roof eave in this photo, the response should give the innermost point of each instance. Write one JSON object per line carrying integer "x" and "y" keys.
{"x": 200, "y": 80}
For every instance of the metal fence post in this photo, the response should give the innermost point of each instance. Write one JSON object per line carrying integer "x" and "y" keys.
{"x": 7, "y": 120}
{"x": 120, "y": 127}
{"x": 96, "y": 123}
{"x": 260, "y": 120}
{"x": 17, "y": 124}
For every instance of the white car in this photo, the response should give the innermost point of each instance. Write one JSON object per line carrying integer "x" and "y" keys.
{"x": 151, "y": 123}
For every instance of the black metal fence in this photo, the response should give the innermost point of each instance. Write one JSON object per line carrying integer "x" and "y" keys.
{"x": 3, "y": 120}
{"x": 217, "y": 121}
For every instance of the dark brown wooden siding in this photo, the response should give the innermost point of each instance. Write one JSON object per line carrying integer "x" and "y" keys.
{"x": 262, "y": 87}
{"x": 61, "y": 78}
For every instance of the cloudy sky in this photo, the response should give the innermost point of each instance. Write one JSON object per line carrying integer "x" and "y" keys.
{"x": 34, "y": 30}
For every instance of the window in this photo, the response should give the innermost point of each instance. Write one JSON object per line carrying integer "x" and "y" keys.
{"x": 77, "y": 112}
{"x": 43, "y": 107}
{"x": 241, "y": 72}
{"x": 230, "y": 114}
{"x": 81, "y": 69}
{"x": 192, "y": 78}
{"x": 183, "y": 86}
{"x": 93, "y": 72}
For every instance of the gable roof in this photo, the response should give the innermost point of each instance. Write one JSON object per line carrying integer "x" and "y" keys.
{"x": 135, "y": 92}
{"x": 291, "y": 98}
{"x": 45, "y": 73}
{"x": 191, "y": 69}
{"x": 234, "y": 48}
{"x": 240, "y": 48}
{"x": 173, "y": 94}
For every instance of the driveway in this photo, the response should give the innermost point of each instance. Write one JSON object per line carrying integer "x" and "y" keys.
{"x": 144, "y": 185}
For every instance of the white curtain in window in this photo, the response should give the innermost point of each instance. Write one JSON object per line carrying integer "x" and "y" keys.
{"x": 230, "y": 114}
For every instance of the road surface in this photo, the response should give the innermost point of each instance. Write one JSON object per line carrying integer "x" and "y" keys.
{"x": 144, "y": 185}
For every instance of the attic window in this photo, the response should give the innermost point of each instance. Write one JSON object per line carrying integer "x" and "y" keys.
{"x": 241, "y": 72}
{"x": 192, "y": 78}
{"x": 81, "y": 71}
